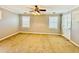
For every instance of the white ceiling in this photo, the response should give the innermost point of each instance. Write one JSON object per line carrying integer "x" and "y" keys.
{"x": 20, "y": 9}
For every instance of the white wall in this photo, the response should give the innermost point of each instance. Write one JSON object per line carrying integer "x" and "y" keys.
{"x": 40, "y": 24}
{"x": 9, "y": 23}
{"x": 75, "y": 25}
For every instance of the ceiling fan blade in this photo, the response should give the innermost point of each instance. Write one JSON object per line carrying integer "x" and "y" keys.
{"x": 42, "y": 9}
{"x": 30, "y": 11}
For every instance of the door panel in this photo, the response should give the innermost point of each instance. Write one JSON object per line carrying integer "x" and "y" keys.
{"x": 66, "y": 25}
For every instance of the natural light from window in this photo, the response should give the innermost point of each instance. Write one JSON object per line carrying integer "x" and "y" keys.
{"x": 26, "y": 21}
{"x": 53, "y": 22}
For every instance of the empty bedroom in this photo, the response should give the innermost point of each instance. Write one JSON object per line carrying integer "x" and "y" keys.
{"x": 39, "y": 28}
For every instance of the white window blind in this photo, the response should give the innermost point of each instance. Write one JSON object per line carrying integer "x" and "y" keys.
{"x": 26, "y": 21}
{"x": 53, "y": 22}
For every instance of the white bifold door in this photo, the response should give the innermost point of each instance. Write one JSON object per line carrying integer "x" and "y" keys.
{"x": 66, "y": 25}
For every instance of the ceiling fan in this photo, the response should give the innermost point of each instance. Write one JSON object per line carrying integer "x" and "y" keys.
{"x": 37, "y": 10}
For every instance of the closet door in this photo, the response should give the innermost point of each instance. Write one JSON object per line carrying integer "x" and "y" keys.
{"x": 66, "y": 25}
{"x": 69, "y": 26}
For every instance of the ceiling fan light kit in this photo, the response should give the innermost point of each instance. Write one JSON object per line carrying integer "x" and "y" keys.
{"x": 36, "y": 10}
{"x": 36, "y": 13}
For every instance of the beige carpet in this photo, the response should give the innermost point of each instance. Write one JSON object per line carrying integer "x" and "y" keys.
{"x": 37, "y": 43}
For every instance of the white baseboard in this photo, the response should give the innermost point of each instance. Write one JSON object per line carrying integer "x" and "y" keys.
{"x": 26, "y": 32}
{"x": 74, "y": 43}
{"x": 8, "y": 36}
{"x": 40, "y": 33}
{"x": 71, "y": 41}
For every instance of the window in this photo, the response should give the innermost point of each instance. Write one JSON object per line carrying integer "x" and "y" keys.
{"x": 0, "y": 14}
{"x": 26, "y": 21}
{"x": 53, "y": 22}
